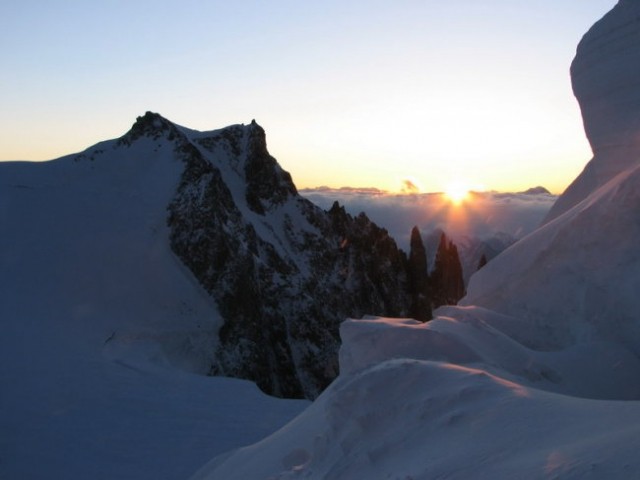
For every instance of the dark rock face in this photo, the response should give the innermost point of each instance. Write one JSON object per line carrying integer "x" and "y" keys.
{"x": 267, "y": 183}
{"x": 284, "y": 273}
{"x": 418, "y": 273}
{"x": 446, "y": 280}
{"x": 150, "y": 125}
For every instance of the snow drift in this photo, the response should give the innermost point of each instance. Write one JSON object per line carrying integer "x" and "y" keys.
{"x": 576, "y": 278}
{"x": 426, "y": 401}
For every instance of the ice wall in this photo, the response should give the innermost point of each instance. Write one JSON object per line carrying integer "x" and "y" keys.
{"x": 576, "y": 278}
{"x": 605, "y": 75}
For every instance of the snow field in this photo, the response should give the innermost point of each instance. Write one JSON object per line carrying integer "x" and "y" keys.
{"x": 102, "y": 325}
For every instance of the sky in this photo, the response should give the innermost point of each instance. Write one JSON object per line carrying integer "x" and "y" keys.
{"x": 350, "y": 93}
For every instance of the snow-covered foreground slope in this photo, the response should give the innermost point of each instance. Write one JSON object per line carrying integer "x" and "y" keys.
{"x": 455, "y": 399}
{"x": 102, "y": 325}
{"x": 575, "y": 279}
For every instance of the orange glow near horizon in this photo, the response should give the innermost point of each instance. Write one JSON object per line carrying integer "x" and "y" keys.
{"x": 457, "y": 192}
{"x": 459, "y": 202}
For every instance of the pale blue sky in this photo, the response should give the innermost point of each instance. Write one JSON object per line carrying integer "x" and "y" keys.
{"x": 350, "y": 92}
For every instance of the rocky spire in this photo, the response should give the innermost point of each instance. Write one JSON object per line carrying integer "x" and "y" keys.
{"x": 152, "y": 125}
{"x": 418, "y": 279}
{"x": 267, "y": 183}
{"x": 446, "y": 280}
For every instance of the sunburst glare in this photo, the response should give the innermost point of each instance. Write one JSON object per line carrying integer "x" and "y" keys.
{"x": 457, "y": 192}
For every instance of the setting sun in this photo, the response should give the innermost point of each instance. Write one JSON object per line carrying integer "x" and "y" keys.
{"x": 457, "y": 192}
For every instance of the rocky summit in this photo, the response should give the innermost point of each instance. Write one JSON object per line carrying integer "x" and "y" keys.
{"x": 283, "y": 272}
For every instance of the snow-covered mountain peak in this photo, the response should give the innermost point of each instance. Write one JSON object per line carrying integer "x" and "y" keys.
{"x": 605, "y": 74}
{"x": 238, "y": 152}
{"x": 281, "y": 272}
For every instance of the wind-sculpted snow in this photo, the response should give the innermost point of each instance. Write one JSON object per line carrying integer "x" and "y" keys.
{"x": 577, "y": 277}
{"x": 605, "y": 76}
{"x": 451, "y": 399}
{"x": 606, "y": 81}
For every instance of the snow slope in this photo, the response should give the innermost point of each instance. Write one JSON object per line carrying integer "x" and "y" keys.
{"x": 576, "y": 278}
{"x": 428, "y": 401}
{"x": 105, "y": 334}
{"x": 535, "y": 376}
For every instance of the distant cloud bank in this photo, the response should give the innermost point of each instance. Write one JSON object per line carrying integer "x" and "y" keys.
{"x": 483, "y": 215}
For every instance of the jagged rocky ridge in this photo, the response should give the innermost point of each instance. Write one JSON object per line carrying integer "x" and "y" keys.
{"x": 283, "y": 272}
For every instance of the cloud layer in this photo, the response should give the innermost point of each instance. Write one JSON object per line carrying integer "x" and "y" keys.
{"x": 483, "y": 215}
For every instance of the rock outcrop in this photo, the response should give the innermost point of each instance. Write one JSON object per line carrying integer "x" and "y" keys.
{"x": 418, "y": 272}
{"x": 283, "y": 272}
